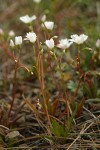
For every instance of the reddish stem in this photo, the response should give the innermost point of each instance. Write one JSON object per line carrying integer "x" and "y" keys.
{"x": 81, "y": 75}
{"x": 57, "y": 86}
{"x": 75, "y": 93}
{"x": 12, "y": 57}
{"x": 14, "y": 94}
{"x": 42, "y": 73}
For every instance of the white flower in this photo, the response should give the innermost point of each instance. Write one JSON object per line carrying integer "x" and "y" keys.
{"x": 49, "y": 25}
{"x": 98, "y": 43}
{"x": 79, "y": 39}
{"x": 43, "y": 18}
{"x": 64, "y": 43}
{"x": 37, "y": 1}
{"x": 11, "y": 33}
{"x": 50, "y": 43}
{"x": 27, "y": 19}
{"x": 31, "y": 36}
{"x": 12, "y": 43}
{"x": 1, "y": 32}
{"x": 18, "y": 40}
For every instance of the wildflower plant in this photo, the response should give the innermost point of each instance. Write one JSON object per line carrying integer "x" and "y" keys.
{"x": 64, "y": 45}
{"x": 49, "y": 54}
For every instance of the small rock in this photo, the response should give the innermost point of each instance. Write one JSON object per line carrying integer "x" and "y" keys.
{"x": 14, "y": 135}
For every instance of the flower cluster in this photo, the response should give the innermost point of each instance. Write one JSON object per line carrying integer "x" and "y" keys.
{"x": 18, "y": 41}
{"x": 31, "y": 36}
{"x": 49, "y": 25}
{"x": 79, "y": 39}
{"x": 66, "y": 43}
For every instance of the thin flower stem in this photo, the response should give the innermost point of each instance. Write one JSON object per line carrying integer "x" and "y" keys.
{"x": 53, "y": 76}
{"x": 80, "y": 72}
{"x": 78, "y": 62}
{"x": 34, "y": 52}
{"x": 14, "y": 94}
{"x": 41, "y": 80}
{"x": 30, "y": 27}
{"x": 75, "y": 93}
{"x": 42, "y": 73}
{"x": 14, "y": 88}
{"x": 12, "y": 57}
{"x": 62, "y": 79}
{"x": 66, "y": 96}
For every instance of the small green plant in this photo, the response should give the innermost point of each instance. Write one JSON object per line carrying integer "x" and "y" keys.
{"x": 63, "y": 130}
